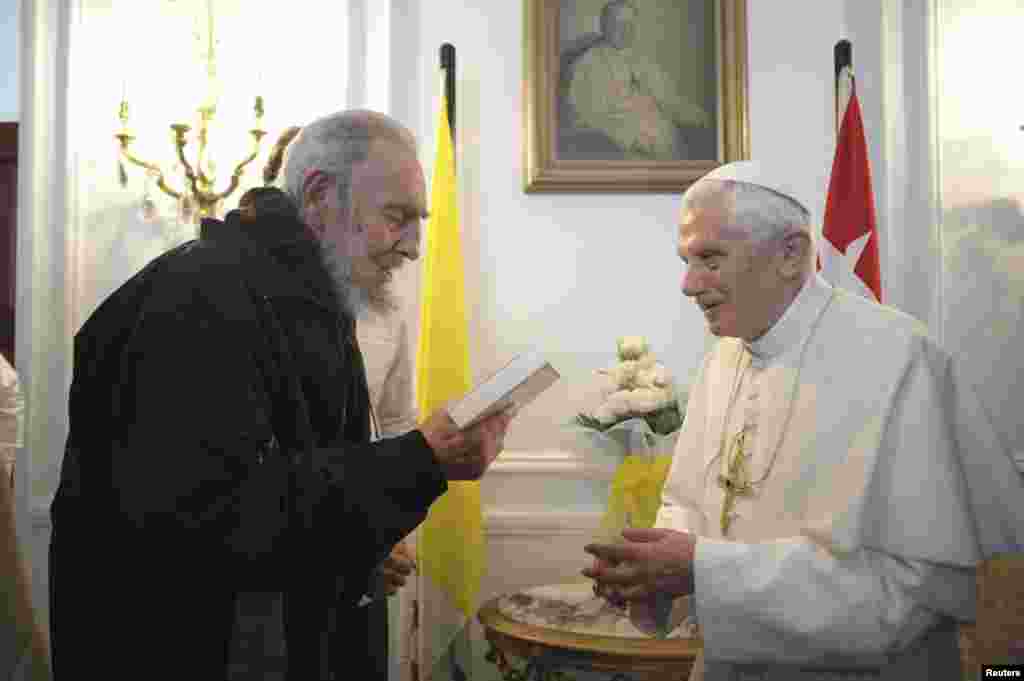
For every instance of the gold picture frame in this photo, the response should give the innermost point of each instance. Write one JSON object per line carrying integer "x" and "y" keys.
{"x": 668, "y": 144}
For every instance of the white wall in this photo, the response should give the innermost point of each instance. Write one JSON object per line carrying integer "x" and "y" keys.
{"x": 567, "y": 273}
{"x": 9, "y": 60}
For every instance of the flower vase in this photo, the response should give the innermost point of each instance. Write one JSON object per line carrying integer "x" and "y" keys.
{"x": 635, "y": 494}
{"x": 643, "y": 458}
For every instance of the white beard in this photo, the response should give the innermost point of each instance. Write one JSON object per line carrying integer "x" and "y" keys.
{"x": 339, "y": 267}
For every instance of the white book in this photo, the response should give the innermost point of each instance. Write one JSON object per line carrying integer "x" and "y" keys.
{"x": 514, "y": 385}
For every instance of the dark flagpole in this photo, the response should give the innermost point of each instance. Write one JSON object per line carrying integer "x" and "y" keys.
{"x": 448, "y": 65}
{"x": 843, "y": 59}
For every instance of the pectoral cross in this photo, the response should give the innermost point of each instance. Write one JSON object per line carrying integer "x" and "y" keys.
{"x": 736, "y": 482}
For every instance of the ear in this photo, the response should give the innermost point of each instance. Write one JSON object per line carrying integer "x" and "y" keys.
{"x": 315, "y": 186}
{"x": 796, "y": 248}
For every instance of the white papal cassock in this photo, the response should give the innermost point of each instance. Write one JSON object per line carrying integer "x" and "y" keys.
{"x": 890, "y": 485}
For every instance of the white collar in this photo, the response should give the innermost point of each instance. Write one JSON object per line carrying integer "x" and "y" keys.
{"x": 794, "y": 323}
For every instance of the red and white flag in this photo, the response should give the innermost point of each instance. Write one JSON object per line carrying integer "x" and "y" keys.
{"x": 848, "y": 256}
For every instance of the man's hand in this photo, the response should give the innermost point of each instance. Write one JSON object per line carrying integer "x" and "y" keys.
{"x": 651, "y": 561}
{"x": 391, "y": 574}
{"x": 465, "y": 455}
{"x": 606, "y": 592}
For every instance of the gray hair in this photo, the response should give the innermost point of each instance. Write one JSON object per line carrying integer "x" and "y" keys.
{"x": 610, "y": 13}
{"x": 335, "y": 143}
{"x": 765, "y": 215}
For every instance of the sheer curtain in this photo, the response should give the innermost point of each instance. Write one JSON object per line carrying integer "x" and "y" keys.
{"x": 954, "y": 166}
{"x": 979, "y": 113}
{"x": 43, "y": 340}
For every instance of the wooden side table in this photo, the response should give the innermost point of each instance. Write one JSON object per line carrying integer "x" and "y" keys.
{"x": 551, "y": 654}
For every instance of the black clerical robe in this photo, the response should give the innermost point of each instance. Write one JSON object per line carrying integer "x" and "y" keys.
{"x": 218, "y": 444}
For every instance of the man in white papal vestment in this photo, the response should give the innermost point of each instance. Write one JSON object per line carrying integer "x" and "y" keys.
{"x": 836, "y": 480}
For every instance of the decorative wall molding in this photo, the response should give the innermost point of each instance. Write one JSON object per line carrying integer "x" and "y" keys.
{"x": 537, "y": 523}
{"x": 548, "y": 480}
{"x": 551, "y": 463}
{"x": 509, "y": 522}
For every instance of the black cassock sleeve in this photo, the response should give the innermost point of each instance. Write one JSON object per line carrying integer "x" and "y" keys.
{"x": 195, "y": 469}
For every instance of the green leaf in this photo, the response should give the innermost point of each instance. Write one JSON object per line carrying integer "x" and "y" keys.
{"x": 590, "y": 422}
{"x": 665, "y": 420}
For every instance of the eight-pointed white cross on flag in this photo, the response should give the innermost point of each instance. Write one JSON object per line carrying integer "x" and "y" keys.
{"x": 849, "y": 249}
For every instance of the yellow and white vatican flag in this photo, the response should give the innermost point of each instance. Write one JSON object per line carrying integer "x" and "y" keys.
{"x": 450, "y": 542}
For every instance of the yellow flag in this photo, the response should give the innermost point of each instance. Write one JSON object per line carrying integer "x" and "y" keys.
{"x": 450, "y": 544}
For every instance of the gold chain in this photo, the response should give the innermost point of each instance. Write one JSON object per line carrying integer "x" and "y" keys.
{"x": 731, "y": 482}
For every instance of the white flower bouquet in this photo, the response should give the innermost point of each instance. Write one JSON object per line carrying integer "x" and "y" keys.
{"x": 638, "y": 387}
{"x": 636, "y": 424}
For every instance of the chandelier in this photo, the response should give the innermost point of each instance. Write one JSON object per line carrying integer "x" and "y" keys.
{"x": 198, "y": 197}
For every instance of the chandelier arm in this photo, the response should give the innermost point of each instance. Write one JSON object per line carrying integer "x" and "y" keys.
{"x": 232, "y": 186}
{"x": 203, "y": 179}
{"x": 236, "y": 176}
{"x": 180, "y": 143}
{"x": 160, "y": 182}
{"x": 166, "y": 189}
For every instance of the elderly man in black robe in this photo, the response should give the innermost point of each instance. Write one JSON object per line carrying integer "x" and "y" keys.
{"x": 219, "y": 438}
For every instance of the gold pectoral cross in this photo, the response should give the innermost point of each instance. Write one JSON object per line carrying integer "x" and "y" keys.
{"x": 736, "y": 481}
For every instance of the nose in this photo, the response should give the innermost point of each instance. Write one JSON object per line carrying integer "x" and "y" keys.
{"x": 409, "y": 241}
{"x": 693, "y": 283}
{"x": 410, "y": 251}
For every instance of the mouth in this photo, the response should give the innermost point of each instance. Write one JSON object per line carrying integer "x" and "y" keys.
{"x": 706, "y": 308}
{"x": 387, "y": 271}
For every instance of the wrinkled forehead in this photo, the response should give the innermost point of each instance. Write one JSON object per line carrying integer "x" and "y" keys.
{"x": 391, "y": 169}
{"x": 705, "y": 207}
{"x": 707, "y": 220}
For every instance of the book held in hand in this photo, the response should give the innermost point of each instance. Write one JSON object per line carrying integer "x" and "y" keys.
{"x": 514, "y": 385}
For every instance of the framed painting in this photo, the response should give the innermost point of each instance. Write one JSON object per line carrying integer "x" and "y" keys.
{"x": 632, "y": 95}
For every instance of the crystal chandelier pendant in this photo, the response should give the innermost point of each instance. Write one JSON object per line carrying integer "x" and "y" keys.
{"x": 148, "y": 211}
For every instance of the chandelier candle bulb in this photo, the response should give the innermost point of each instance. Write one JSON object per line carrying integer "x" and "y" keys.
{"x": 122, "y": 113}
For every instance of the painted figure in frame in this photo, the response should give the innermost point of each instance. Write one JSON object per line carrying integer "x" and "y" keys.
{"x": 618, "y": 102}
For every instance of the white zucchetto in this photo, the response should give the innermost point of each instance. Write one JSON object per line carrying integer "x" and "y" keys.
{"x": 768, "y": 176}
